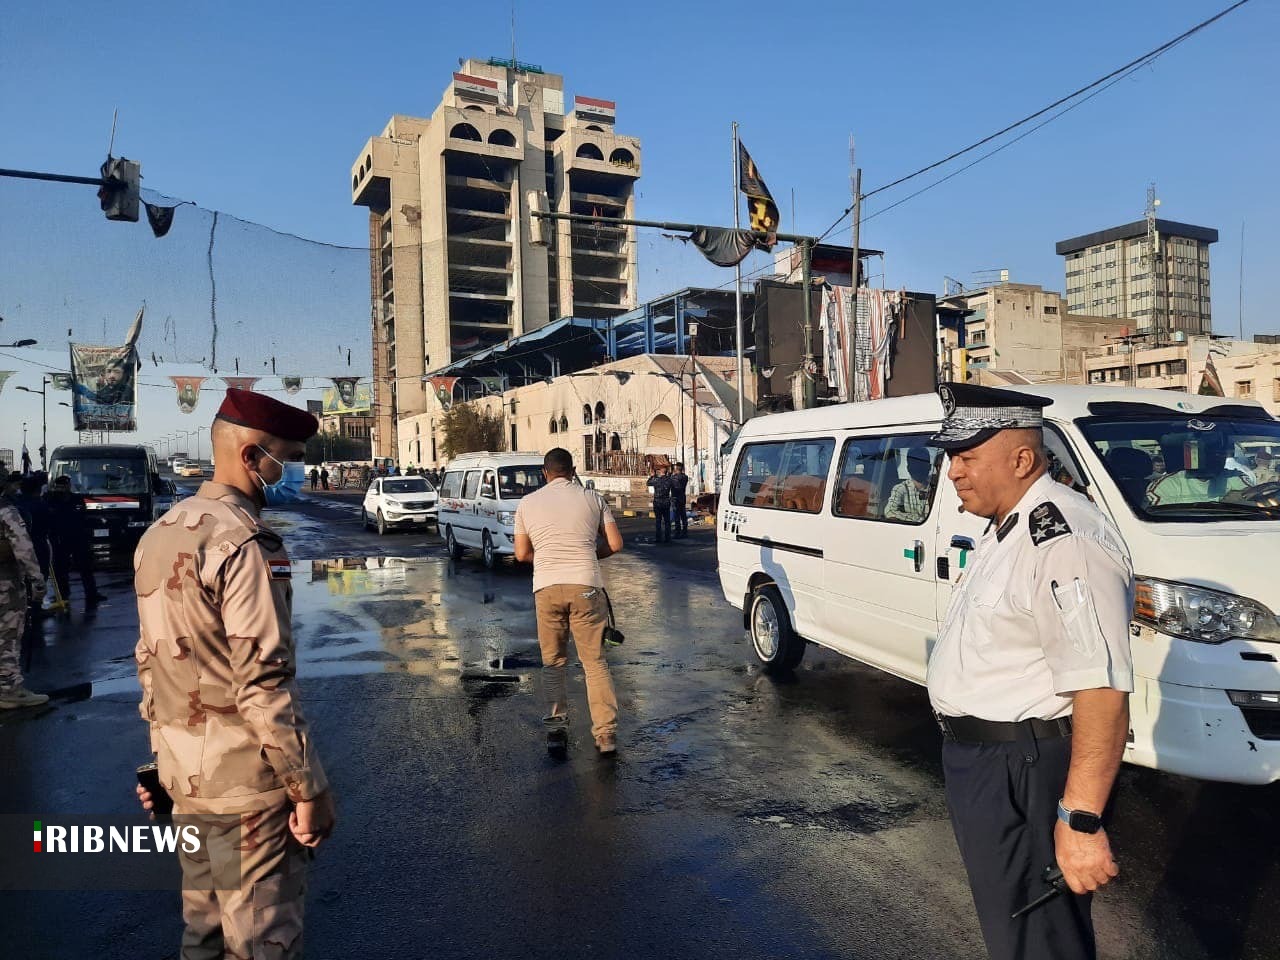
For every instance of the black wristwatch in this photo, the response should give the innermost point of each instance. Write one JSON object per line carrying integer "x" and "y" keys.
{"x": 1081, "y": 821}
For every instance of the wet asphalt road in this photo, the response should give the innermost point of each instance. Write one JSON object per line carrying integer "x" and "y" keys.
{"x": 742, "y": 818}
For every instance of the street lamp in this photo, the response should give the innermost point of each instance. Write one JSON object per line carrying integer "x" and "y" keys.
{"x": 44, "y": 415}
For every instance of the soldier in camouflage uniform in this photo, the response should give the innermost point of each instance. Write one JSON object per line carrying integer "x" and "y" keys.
{"x": 18, "y": 564}
{"x": 216, "y": 663}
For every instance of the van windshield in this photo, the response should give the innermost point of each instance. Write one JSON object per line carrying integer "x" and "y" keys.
{"x": 1180, "y": 469}
{"x": 104, "y": 475}
{"x": 515, "y": 482}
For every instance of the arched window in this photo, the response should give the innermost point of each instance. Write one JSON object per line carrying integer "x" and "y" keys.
{"x": 564, "y": 423}
{"x": 623, "y": 156}
{"x": 586, "y": 414}
{"x": 596, "y": 127}
{"x": 600, "y": 412}
{"x": 474, "y": 106}
{"x": 355, "y": 182}
{"x": 502, "y": 138}
{"x": 615, "y": 442}
{"x": 465, "y": 131}
{"x": 555, "y": 427}
{"x": 662, "y": 432}
{"x": 589, "y": 151}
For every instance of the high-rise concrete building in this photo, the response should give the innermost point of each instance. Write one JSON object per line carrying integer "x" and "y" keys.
{"x": 1112, "y": 273}
{"x": 456, "y": 265}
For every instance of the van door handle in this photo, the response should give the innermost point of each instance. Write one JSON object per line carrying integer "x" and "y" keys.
{"x": 918, "y": 556}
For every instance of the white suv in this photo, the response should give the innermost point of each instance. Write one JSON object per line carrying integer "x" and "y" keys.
{"x": 399, "y": 501}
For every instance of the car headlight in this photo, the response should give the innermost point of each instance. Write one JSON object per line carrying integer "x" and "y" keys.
{"x": 1206, "y": 616}
{"x": 507, "y": 517}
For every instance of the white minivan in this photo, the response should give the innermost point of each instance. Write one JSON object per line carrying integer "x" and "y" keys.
{"x": 839, "y": 527}
{"x": 478, "y": 499}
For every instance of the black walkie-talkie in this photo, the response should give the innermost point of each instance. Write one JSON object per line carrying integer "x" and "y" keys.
{"x": 1057, "y": 885}
{"x": 161, "y": 802}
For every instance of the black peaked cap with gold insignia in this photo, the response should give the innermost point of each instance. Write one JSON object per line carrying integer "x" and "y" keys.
{"x": 974, "y": 414}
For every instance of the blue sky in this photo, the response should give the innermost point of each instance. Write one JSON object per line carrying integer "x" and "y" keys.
{"x": 259, "y": 110}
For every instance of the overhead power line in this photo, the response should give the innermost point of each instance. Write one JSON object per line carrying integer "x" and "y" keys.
{"x": 1114, "y": 75}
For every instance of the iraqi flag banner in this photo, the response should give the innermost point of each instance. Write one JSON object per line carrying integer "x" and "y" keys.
{"x": 188, "y": 392}
{"x": 291, "y": 384}
{"x": 240, "y": 383}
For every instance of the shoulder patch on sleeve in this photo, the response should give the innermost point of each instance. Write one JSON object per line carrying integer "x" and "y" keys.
{"x": 1047, "y": 522}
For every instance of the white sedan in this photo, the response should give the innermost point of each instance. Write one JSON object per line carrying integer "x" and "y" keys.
{"x": 399, "y": 502}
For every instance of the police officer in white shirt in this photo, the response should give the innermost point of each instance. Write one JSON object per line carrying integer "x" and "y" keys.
{"x": 1030, "y": 679}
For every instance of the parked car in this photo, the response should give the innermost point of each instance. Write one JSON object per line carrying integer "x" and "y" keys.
{"x": 399, "y": 502}
{"x": 813, "y": 549}
{"x": 478, "y": 499}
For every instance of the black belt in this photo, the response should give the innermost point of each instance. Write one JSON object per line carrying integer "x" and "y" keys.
{"x": 976, "y": 730}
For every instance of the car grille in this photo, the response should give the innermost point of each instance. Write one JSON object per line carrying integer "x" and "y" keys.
{"x": 1263, "y": 724}
{"x": 419, "y": 504}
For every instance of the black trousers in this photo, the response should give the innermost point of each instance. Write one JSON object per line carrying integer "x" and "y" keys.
{"x": 680, "y": 516}
{"x": 66, "y": 559}
{"x": 1003, "y": 809}
{"x": 662, "y": 520}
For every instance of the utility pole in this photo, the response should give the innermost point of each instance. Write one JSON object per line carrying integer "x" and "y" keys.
{"x": 1155, "y": 261}
{"x": 851, "y": 346}
{"x": 44, "y": 420}
{"x": 693, "y": 357}
{"x": 740, "y": 334}
{"x": 809, "y": 368}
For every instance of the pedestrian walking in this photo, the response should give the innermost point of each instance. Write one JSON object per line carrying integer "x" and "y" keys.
{"x": 660, "y": 487}
{"x": 19, "y": 572}
{"x": 315, "y": 477}
{"x": 679, "y": 502}
{"x": 35, "y": 514}
{"x": 1029, "y": 679}
{"x": 69, "y": 542}
{"x": 324, "y": 478}
{"x": 559, "y": 528}
{"x": 216, "y": 662}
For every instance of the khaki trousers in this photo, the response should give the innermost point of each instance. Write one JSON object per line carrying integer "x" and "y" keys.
{"x": 580, "y": 610}
{"x": 261, "y": 918}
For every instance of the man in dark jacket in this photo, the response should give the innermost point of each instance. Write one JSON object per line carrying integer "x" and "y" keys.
{"x": 35, "y": 514}
{"x": 660, "y": 486}
{"x": 69, "y": 537}
{"x": 679, "y": 502}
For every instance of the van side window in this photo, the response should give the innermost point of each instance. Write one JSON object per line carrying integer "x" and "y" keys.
{"x": 1062, "y": 463}
{"x": 489, "y": 488}
{"x": 890, "y": 479}
{"x": 472, "y": 486}
{"x": 784, "y": 475}
{"x": 452, "y": 486}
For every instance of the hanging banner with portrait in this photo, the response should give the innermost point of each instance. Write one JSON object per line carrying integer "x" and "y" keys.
{"x": 188, "y": 392}
{"x": 104, "y": 389}
{"x": 347, "y": 396}
{"x": 291, "y": 384}
{"x": 443, "y": 389}
{"x": 240, "y": 383}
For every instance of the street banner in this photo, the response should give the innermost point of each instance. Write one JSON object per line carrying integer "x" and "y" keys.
{"x": 188, "y": 392}
{"x": 347, "y": 396}
{"x": 492, "y": 385}
{"x": 240, "y": 383}
{"x": 291, "y": 384}
{"x": 443, "y": 387}
{"x": 104, "y": 390}
{"x": 760, "y": 205}
{"x": 60, "y": 381}
{"x": 5, "y": 375}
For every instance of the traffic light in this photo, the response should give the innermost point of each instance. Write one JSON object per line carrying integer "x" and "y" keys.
{"x": 119, "y": 195}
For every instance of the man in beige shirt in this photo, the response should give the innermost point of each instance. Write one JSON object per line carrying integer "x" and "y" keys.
{"x": 559, "y": 528}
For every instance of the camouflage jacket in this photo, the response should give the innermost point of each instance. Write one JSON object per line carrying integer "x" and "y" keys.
{"x": 216, "y": 658}
{"x": 17, "y": 555}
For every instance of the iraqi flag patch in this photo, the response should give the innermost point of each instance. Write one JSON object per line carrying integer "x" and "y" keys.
{"x": 280, "y": 569}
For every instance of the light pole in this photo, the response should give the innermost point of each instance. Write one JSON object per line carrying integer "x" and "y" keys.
{"x": 44, "y": 418}
{"x": 198, "y": 431}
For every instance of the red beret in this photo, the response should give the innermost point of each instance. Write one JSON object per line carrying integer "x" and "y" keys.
{"x": 260, "y": 412}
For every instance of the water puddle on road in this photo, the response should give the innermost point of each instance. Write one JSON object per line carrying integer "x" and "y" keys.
{"x": 424, "y": 616}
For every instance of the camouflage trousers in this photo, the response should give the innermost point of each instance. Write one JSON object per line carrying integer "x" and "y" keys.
{"x": 13, "y": 620}
{"x": 261, "y": 918}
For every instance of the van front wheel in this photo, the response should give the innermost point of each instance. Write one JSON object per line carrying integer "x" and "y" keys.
{"x": 778, "y": 647}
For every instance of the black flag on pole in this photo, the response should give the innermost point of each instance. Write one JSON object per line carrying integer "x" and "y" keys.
{"x": 760, "y": 205}
{"x": 160, "y": 218}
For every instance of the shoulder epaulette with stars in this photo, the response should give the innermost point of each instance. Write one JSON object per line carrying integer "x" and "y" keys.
{"x": 1047, "y": 522}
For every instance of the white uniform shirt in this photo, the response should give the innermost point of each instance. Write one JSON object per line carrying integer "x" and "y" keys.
{"x": 1041, "y": 612}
